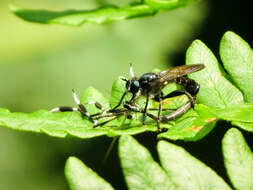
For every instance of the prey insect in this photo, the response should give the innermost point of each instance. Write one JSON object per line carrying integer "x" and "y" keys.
{"x": 151, "y": 85}
{"x": 127, "y": 111}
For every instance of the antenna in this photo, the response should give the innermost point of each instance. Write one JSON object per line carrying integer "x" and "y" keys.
{"x": 131, "y": 71}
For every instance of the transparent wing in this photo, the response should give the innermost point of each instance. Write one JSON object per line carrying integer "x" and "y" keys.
{"x": 173, "y": 73}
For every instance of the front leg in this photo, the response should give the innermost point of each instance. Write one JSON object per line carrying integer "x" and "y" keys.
{"x": 145, "y": 110}
{"x": 159, "y": 113}
{"x": 121, "y": 100}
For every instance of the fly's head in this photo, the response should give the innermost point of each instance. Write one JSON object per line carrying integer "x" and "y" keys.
{"x": 132, "y": 85}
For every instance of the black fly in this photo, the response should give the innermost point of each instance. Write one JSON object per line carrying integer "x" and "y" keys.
{"x": 150, "y": 85}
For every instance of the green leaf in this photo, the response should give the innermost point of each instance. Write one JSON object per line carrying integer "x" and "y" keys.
{"x": 244, "y": 125}
{"x": 68, "y": 124}
{"x": 54, "y": 124}
{"x": 192, "y": 126}
{"x": 79, "y": 17}
{"x": 215, "y": 89}
{"x": 237, "y": 57}
{"x": 80, "y": 177}
{"x": 98, "y": 16}
{"x": 139, "y": 168}
{"x": 238, "y": 160}
{"x": 179, "y": 169}
{"x": 241, "y": 113}
{"x": 167, "y": 4}
{"x": 186, "y": 171}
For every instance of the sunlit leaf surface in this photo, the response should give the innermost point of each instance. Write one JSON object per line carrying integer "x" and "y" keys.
{"x": 80, "y": 177}
{"x": 237, "y": 57}
{"x": 238, "y": 160}
{"x": 215, "y": 89}
{"x": 186, "y": 171}
{"x": 139, "y": 168}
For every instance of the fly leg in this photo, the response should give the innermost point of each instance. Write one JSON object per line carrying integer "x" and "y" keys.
{"x": 115, "y": 116}
{"x": 81, "y": 108}
{"x": 135, "y": 108}
{"x": 176, "y": 113}
{"x": 173, "y": 115}
{"x": 121, "y": 100}
{"x": 178, "y": 93}
{"x": 95, "y": 117}
{"x": 112, "y": 115}
{"x": 183, "y": 109}
{"x": 145, "y": 110}
{"x": 159, "y": 111}
{"x": 63, "y": 109}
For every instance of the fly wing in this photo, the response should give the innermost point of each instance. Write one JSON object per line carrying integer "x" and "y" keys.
{"x": 173, "y": 73}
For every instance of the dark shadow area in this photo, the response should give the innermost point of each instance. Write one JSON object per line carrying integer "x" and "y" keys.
{"x": 223, "y": 15}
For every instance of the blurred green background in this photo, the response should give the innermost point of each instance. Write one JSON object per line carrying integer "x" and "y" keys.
{"x": 40, "y": 64}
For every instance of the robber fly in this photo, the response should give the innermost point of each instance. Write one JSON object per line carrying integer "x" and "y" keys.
{"x": 151, "y": 85}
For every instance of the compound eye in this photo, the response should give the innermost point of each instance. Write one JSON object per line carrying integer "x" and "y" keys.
{"x": 135, "y": 86}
